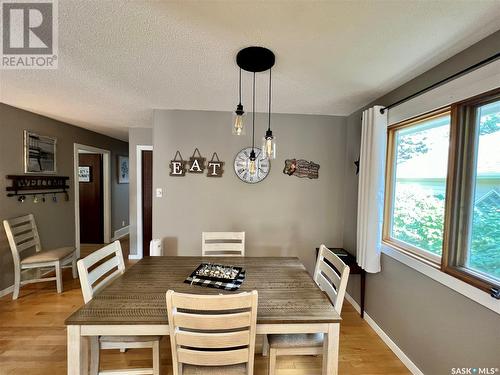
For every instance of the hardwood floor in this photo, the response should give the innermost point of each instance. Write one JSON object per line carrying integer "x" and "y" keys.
{"x": 33, "y": 338}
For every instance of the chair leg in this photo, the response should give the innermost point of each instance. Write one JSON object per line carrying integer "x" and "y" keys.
{"x": 272, "y": 361}
{"x": 17, "y": 282}
{"x": 74, "y": 268}
{"x": 265, "y": 347}
{"x": 94, "y": 355}
{"x": 156, "y": 357}
{"x": 58, "y": 277}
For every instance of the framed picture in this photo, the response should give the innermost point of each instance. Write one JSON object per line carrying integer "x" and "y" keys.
{"x": 39, "y": 153}
{"x": 84, "y": 174}
{"x": 123, "y": 169}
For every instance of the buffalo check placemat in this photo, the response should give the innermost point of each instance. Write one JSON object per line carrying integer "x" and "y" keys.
{"x": 230, "y": 285}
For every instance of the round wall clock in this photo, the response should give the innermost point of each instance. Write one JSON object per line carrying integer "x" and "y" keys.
{"x": 241, "y": 162}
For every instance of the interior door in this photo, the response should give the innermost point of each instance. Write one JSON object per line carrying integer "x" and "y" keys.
{"x": 147, "y": 200}
{"x": 91, "y": 199}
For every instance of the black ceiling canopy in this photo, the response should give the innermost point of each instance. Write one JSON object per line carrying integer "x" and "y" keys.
{"x": 255, "y": 59}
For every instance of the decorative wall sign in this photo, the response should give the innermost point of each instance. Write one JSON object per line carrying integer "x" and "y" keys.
{"x": 39, "y": 153}
{"x": 196, "y": 164}
{"x": 301, "y": 168}
{"x": 84, "y": 174}
{"x": 215, "y": 167}
{"x": 24, "y": 185}
{"x": 123, "y": 169}
{"x": 177, "y": 166}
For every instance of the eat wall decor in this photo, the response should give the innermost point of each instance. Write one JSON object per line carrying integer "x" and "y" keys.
{"x": 196, "y": 164}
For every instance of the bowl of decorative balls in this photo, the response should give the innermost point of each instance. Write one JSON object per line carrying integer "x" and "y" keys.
{"x": 217, "y": 272}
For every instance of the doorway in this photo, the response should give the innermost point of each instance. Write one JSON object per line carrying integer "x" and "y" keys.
{"x": 144, "y": 199}
{"x": 105, "y": 163}
{"x": 91, "y": 198}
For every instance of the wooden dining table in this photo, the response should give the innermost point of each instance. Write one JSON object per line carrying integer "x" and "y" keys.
{"x": 135, "y": 304}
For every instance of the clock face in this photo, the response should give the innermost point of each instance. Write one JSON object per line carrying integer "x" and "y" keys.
{"x": 241, "y": 166}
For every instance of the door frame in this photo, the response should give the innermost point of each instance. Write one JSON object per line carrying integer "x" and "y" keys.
{"x": 138, "y": 177}
{"x": 106, "y": 189}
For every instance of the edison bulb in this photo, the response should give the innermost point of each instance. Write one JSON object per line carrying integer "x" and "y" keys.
{"x": 238, "y": 125}
{"x": 269, "y": 147}
{"x": 239, "y": 121}
{"x": 252, "y": 167}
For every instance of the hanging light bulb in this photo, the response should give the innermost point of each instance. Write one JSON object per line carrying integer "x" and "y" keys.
{"x": 269, "y": 141}
{"x": 269, "y": 145}
{"x": 238, "y": 117}
{"x": 252, "y": 164}
{"x": 238, "y": 121}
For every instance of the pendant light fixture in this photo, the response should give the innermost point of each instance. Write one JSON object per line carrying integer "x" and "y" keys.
{"x": 269, "y": 141}
{"x": 238, "y": 117}
{"x": 255, "y": 60}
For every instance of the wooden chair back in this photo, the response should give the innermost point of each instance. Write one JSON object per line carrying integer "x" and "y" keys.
{"x": 331, "y": 275}
{"x": 22, "y": 235}
{"x": 212, "y": 330}
{"x": 223, "y": 244}
{"x": 92, "y": 279}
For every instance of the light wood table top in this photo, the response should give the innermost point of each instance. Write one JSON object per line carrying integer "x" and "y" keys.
{"x": 287, "y": 293}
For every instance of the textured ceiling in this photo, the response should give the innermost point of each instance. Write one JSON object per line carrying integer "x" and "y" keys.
{"x": 120, "y": 59}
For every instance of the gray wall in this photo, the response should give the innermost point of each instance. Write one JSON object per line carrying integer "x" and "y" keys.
{"x": 144, "y": 137}
{"x": 435, "y": 326}
{"x": 56, "y": 221}
{"x": 282, "y": 215}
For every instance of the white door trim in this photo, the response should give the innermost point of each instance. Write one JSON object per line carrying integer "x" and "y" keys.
{"x": 138, "y": 178}
{"x": 106, "y": 174}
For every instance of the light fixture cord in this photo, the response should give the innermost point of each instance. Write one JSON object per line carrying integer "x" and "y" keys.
{"x": 253, "y": 114}
{"x": 240, "y": 86}
{"x": 269, "y": 126}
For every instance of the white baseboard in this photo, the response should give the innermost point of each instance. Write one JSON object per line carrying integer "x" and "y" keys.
{"x": 6, "y": 291}
{"x": 392, "y": 345}
{"x": 122, "y": 232}
{"x": 353, "y": 303}
{"x": 134, "y": 256}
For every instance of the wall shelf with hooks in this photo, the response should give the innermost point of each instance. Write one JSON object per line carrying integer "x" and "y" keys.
{"x": 37, "y": 185}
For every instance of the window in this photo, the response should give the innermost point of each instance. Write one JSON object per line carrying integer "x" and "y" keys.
{"x": 443, "y": 190}
{"x": 473, "y": 248}
{"x": 417, "y": 187}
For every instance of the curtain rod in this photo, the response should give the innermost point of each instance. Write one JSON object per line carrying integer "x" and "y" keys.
{"x": 443, "y": 81}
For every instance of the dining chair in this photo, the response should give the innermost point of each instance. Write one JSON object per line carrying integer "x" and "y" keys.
{"x": 223, "y": 244}
{"x": 331, "y": 275}
{"x": 96, "y": 271}
{"x": 212, "y": 334}
{"x": 23, "y": 237}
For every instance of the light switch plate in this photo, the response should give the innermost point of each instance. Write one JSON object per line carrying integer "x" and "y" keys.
{"x": 159, "y": 192}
